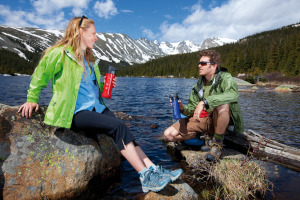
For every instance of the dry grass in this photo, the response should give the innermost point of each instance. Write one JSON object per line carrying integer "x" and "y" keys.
{"x": 237, "y": 181}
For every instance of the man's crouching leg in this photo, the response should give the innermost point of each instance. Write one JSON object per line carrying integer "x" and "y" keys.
{"x": 172, "y": 135}
{"x": 221, "y": 117}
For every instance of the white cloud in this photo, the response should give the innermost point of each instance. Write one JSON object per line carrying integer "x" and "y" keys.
{"x": 235, "y": 19}
{"x": 168, "y": 17}
{"x": 149, "y": 34}
{"x": 44, "y": 7}
{"x": 13, "y": 18}
{"x": 47, "y": 14}
{"x": 56, "y": 21}
{"x": 126, "y": 11}
{"x": 105, "y": 9}
{"x": 77, "y": 12}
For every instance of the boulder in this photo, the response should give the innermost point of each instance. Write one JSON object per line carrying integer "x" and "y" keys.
{"x": 174, "y": 191}
{"x": 38, "y": 161}
{"x": 288, "y": 88}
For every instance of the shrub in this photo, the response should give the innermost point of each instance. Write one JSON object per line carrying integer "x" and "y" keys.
{"x": 251, "y": 79}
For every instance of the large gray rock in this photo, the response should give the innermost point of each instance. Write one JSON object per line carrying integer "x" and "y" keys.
{"x": 175, "y": 191}
{"x": 38, "y": 161}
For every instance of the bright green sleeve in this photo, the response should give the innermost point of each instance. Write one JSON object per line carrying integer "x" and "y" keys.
{"x": 50, "y": 64}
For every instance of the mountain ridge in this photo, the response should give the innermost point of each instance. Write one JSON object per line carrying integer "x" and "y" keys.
{"x": 110, "y": 47}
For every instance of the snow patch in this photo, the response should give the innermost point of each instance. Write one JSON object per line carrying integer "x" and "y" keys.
{"x": 29, "y": 48}
{"x": 101, "y": 36}
{"x": 57, "y": 33}
{"x": 12, "y": 36}
{"x": 21, "y": 54}
{"x": 29, "y": 33}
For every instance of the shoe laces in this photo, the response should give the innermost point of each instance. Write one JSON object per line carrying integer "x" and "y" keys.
{"x": 207, "y": 139}
{"x": 150, "y": 174}
{"x": 216, "y": 147}
{"x": 160, "y": 169}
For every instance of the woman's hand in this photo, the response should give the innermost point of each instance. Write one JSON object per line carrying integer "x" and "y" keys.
{"x": 115, "y": 81}
{"x": 27, "y": 109}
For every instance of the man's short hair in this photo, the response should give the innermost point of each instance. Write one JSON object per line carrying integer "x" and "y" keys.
{"x": 214, "y": 56}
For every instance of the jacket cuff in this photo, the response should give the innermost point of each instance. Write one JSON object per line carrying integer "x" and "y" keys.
{"x": 205, "y": 104}
{"x": 30, "y": 100}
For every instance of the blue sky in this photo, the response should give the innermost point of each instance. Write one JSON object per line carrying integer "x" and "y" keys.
{"x": 162, "y": 20}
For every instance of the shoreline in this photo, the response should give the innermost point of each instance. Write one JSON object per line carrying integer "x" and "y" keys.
{"x": 262, "y": 84}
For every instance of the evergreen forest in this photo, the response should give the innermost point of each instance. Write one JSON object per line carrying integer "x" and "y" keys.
{"x": 271, "y": 51}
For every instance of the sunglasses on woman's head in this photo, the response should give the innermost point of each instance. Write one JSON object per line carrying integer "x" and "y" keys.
{"x": 83, "y": 17}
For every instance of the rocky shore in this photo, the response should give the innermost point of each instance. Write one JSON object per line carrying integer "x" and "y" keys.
{"x": 38, "y": 161}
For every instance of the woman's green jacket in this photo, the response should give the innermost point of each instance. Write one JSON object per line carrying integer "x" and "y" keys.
{"x": 59, "y": 65}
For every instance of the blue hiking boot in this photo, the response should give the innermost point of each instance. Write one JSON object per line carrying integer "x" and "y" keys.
{"x": 152, "y": 180}
{"x": 174, "y": 175}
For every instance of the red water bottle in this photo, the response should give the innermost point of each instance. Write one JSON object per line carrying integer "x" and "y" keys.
{"x": 108, "y": 85}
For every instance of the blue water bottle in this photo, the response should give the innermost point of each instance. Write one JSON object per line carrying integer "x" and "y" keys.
{"x": 175, "y": 106}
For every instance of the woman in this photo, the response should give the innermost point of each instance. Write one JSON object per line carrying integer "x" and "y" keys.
{"x": 77, "y": 101}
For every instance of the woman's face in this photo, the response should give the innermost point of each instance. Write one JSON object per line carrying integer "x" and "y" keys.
{"x": 88, "y": 37}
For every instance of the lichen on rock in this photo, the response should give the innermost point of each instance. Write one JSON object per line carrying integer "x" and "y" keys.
{"x": 40, "y": 161}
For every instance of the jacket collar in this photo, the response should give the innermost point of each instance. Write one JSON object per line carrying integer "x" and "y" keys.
{"x": 198, "y": 89}
{"x": 70, "y": 53}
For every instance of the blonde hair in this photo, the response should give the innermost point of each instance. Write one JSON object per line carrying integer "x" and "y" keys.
{"x": 72, "y": 38}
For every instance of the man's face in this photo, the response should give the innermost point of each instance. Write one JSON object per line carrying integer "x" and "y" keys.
{"x": 206, "y": 67}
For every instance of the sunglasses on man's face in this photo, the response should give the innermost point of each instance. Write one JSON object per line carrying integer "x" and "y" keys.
{"x": 83, "y": 17}
{"x": 204, "y": 63}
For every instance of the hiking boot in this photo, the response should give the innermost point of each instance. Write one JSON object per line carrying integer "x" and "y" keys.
{"x": 215, "y": 151}
{"x": 174, "y": 175}
{"x": 208, "y": 141}
{"x": 152, "y": 180}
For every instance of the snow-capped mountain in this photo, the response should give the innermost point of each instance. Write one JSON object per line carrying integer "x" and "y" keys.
{"x": 109, "y": 47}
{"x": 215, "y": 42}
{"x": 179, "y": 47}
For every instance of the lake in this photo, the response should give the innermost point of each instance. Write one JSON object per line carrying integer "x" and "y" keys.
{"x": 274, "y": 115}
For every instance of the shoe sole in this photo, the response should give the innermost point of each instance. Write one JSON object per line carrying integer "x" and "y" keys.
{"x": 174, "y": 178}
{"x": 155, "y": 189}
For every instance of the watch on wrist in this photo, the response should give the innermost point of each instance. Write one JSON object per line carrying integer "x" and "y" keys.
{"x": 205, "y": 103}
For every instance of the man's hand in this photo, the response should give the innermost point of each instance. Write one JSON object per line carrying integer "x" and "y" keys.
{"x": 181, "y": 107}
{"x": 198, "y": 110}
{"x": 27, "y": 109}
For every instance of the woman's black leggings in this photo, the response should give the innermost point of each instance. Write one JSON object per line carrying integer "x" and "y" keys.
{"x": 104, "y": 123}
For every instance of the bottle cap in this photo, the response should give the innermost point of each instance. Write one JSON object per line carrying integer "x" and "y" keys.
{"x": 112, "y": 70}
{"x": 174, "y": 96}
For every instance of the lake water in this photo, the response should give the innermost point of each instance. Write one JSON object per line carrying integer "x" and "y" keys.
{"x": 272, "y": 114}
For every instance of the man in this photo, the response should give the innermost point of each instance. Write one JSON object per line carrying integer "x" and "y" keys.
{"x": 212, "y": 105}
